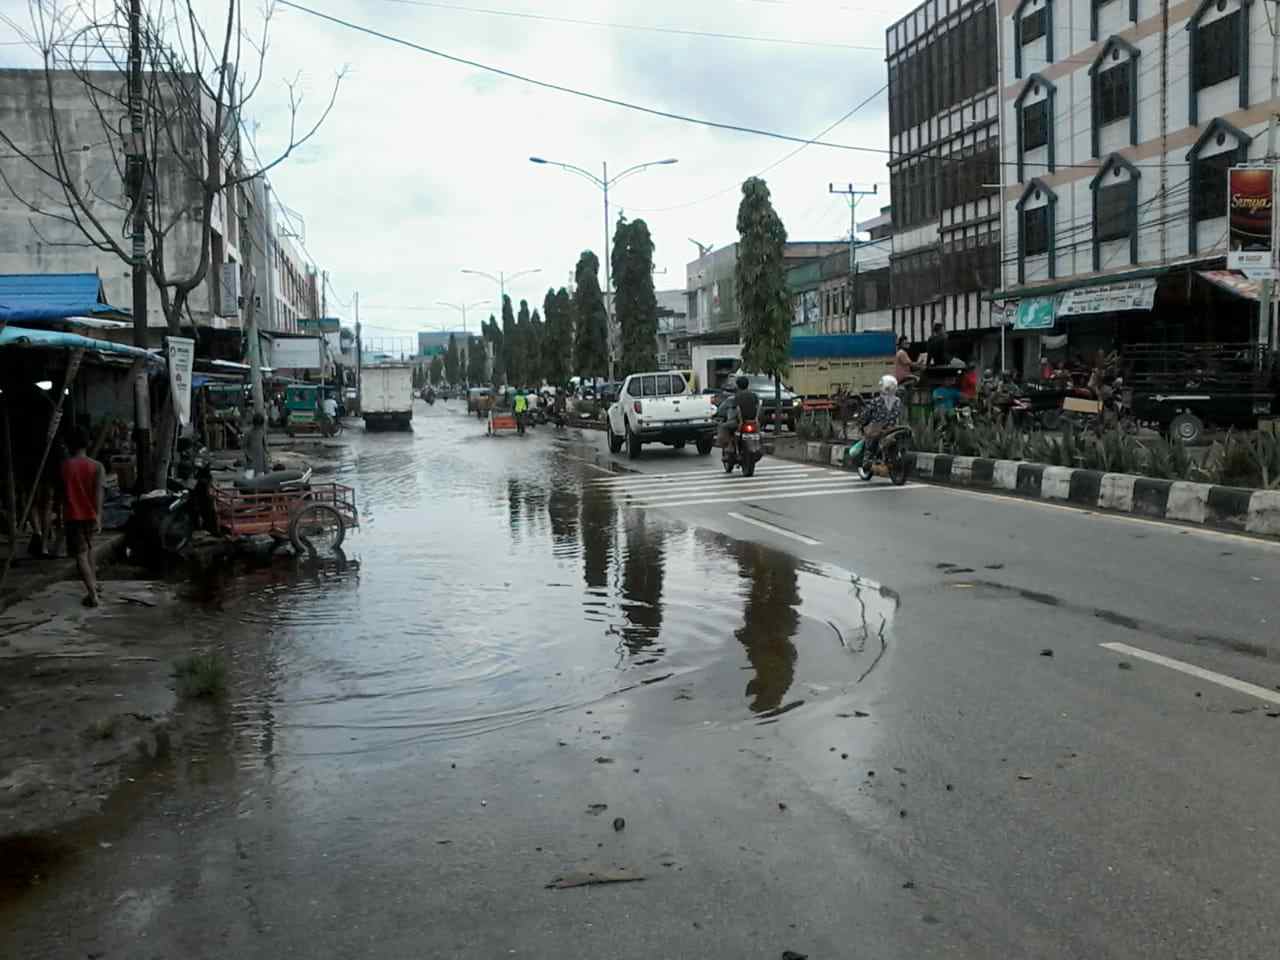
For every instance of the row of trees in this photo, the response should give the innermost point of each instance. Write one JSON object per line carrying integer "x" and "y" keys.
{"x": 571, "y": 334}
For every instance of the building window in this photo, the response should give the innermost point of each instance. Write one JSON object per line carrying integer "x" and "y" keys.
{"x": 1209, "y": 189}
{"x": 1113, "y": 211}
{"x": 1114, "y": 94}
{"x": 1035, "y": 125}
{"x": 1217, "y": 55}
{"x": 1035, "y": 231}
{"x": 1033, "y": 26}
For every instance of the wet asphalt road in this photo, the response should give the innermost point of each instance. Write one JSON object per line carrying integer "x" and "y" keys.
{"x": 821, "y": 709}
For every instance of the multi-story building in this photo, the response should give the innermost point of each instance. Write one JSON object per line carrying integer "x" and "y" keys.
{"x": 713, "y": 309}
{"x": 1121, "y": 122}
{"x": 34, "y": 243}
{"x": 673, "y": 322}
{"x": 944, "y": 137}
{"x": 826, "y": 299}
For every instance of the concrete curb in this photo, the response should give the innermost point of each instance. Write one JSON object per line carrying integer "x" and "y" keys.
{"x": 1226, "y": 508}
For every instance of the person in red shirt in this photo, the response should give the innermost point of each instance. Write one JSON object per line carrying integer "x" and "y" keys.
{"x": 84, "y": 478}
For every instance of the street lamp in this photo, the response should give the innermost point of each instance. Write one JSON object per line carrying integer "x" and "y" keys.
{"x": 502, "y": 279}
{"x": 463, "y": 308}
{"x": 604, "y": 182}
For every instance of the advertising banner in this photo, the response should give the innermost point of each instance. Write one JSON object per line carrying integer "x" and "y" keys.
{"x": 182, "y": 354}
{"x": 295, "y": 353}
{"x": 1250, "y": 200}
{"x": 1130, "y": 295}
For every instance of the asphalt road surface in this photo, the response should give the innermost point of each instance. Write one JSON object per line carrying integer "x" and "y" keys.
{"x": 798, "y": 712}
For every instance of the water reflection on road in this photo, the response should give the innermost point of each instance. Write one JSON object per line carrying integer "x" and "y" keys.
{"x": 497, "y": 581}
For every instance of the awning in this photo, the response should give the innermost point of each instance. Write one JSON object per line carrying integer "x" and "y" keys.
{"x": 58, "y": 340}
{"x": 1234, "y": 283}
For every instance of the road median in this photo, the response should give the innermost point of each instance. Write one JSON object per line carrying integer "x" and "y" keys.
{"x": 1238, "y": 509}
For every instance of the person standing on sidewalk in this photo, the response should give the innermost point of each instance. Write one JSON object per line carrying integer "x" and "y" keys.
{"x": 84, "y": 481}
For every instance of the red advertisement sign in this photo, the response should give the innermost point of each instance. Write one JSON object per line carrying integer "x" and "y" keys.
{"x": 1250, "y": 201}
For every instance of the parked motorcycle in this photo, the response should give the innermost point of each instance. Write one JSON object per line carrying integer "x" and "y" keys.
{"x": 892, "y": 458}
{"x": 746, "y": 450}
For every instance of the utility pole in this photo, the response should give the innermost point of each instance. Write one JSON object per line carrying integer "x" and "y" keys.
{"x": 355, "y": 302}
{"x": 1266, "y": 305}
{"x": 854, "y": 196}
{"x": 136, "y": 173}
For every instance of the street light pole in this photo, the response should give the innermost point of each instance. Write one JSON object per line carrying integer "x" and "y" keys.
{"x": 501, "y": 280}
{"x": 604, "y": 183}
{"x": 463, "y": 308}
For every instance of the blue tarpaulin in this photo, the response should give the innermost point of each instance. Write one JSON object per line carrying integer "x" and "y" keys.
{"x": 52, "y": 296}
{"x": 57, "y": 340}
{"x": 872, "y": 344}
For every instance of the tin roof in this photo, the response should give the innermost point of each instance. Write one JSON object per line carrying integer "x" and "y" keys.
{"x": 27, "y": 296}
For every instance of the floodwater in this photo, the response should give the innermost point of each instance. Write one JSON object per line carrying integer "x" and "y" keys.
{"x": 497, "y": 581}
{"x": 497, "y": 596}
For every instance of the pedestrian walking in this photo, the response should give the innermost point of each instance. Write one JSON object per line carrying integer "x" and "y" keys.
{"x": 84, "y": 481}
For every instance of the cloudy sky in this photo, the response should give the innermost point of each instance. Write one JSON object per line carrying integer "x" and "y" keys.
{"x": 422, "y": 169}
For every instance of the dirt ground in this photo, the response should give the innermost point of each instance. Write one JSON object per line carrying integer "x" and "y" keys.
{"x": 81, "y": 691}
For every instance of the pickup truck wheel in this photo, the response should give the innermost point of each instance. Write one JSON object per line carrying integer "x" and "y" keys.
{"x": 704, "y": 447}
{"x": 679, "y": 445}
{"x": 615, "y": 442}
{"x": 633, "y": 445}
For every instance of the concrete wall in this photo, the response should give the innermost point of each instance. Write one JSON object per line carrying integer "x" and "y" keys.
{"x": 32, "y": 243}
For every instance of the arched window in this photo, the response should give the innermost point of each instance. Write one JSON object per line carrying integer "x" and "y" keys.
{"x": 1036, "y": 227}
{"x": 1219, "y": 148}
{"x": 1115, "y": 206}
{"x": 1113, "y": 81}
{"x": 1218, "y": 50}
{"x": 1033, "y": 114}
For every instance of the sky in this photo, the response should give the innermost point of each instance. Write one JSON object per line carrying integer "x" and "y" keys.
{"x": 422, "y": 168}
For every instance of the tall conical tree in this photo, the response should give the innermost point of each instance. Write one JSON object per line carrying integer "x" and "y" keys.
{"x": 508, "y": 340}
{"x": 591, "y": 334}
{"x": 452, "y": 361}
{"x": 493, "y": 333}
{"x": 476, "y": 361}
{"x": 520, "y": 371}
{"x": 533, "y": 355}
{"x": 634, "y": 302}
{"x": 557, "y": 342}
{"x": 760, "y": 285}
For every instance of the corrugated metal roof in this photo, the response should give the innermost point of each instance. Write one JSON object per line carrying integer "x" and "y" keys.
{"x": 47, "y": 295}
{"x": 55, "y": 339}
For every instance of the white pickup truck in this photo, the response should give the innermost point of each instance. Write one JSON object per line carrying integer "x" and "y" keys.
{"x": 660, "y": 408}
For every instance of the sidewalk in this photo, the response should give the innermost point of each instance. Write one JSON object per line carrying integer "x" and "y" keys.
{"x": 29, "y": 576}
{"x": 82, "y": 692}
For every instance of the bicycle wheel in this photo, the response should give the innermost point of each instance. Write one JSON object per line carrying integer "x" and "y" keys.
{"x": 317, "y": 529}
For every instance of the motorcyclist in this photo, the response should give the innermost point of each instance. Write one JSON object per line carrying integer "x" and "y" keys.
{"x": 880, "y": 415}
{"x": 745, "y": 407}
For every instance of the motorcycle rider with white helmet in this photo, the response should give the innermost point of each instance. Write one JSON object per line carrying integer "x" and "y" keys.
{"x": 880, "y": 415}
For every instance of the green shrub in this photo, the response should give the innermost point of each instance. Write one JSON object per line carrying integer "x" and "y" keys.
{"x": 201, "y": 675}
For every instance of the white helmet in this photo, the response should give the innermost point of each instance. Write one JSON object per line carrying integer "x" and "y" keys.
{"x": 889, "y": 384}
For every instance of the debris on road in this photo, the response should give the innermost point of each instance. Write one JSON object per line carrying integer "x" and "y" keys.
{"x": 792, "y": 955}
{"x": 619, "y": 824}
{"x": 857, "y": 714}
{"x": 1124, "y": 665}
{"x": 596, "y": 809}
{"x": 604, "y": 760}
{"x": 1025, "y": 776}
{"x": 1047, "y": 652}
{"x": 592, "y": 878}
{"x": 781, "y": 805}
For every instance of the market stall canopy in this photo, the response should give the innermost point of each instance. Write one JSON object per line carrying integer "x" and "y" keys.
{"x": 54, "y": 296}
{"x": 58, "y": 340}
{"x": 1234, "y": 283}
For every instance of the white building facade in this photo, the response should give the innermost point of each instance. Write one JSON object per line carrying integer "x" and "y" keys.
{"x": 1121, "y": 119}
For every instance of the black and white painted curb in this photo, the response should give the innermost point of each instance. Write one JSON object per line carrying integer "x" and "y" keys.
{"x": 1231, "y": 508}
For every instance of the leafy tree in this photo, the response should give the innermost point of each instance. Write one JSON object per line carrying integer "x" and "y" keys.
{"x": 520, "y": 366}
{"x": 760, "y": 285}
{"x": 557, "y": 341}
{"x": 476, "y": 361}
{"x": 436, "y": 370}
{"x": 508, "y": 342}
{"x": 634, "y": 302}
{"x": 591, "y": 340}
{"x": 452, "y": 362}
{"x": 533, "y": 349}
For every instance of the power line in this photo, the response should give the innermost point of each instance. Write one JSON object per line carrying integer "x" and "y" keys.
{"x": 777, "y": 163}
{"x": 677, "y": 31}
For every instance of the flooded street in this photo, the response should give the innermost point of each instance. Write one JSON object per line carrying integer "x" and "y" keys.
{"x": 841, "y": 742}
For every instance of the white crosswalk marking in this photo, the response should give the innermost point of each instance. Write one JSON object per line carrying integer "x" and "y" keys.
{"x": 772, "y": 481}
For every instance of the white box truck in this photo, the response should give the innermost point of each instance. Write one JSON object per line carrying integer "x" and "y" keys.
{"x": 386, "y": 396}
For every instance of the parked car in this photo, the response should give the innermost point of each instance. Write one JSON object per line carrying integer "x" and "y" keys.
{"x": 770, "y": 411}
{"x": 658, "y": 408}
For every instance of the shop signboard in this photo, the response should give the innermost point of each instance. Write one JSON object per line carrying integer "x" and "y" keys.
{"x": 1034, "y": 313}
{"x": 1250, "y": 199}
{"x": 181, "y": 353}
{"x": 1130, "y": 295}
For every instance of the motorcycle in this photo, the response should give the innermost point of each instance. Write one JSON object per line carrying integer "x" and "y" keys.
{"x": 892, "y": 457}
{"x": 746, "y": 450}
